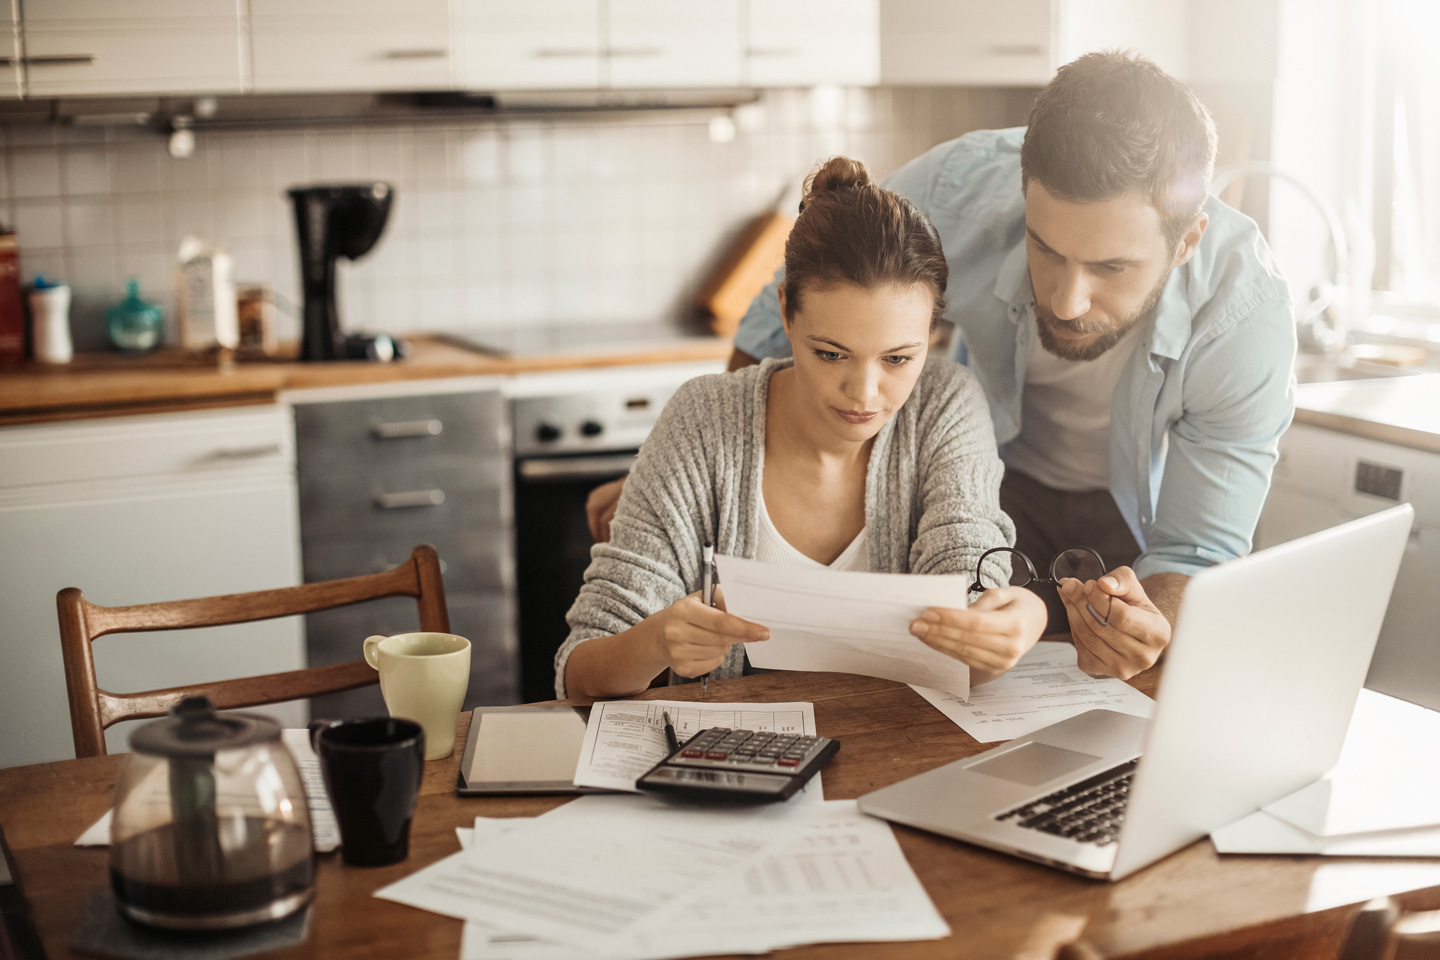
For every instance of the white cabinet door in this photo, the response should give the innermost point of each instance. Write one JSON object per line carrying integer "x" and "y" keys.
{"x": 101, "y": 47}
{"x": 939, "y": 42}
{"x": 536, "y": 45}
{"x": 673, "y": 43}
{"x": 322, "y": 45}
{"x": 800, "y": 43}
{"x": 204, "y": 504}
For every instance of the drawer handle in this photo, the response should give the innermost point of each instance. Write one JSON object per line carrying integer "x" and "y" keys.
{"x": 1016, "y": 49}
{"x": 410, "y": 498}
{"x": 635, "y": 51}
{"x": 555, "y": 53}
{"x": 774, "y": 51}
{"x": 248, "y": 453}
{"x": 61, "y": 60}
{"x": 435, "y": 53}
{"x": 407, "y": 428}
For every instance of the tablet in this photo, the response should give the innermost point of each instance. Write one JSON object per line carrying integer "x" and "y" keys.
{"x": 524, "y": 749}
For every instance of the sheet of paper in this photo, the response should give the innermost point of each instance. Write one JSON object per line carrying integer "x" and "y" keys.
{"x": 1045, "y": 687}
{"x": 1387, "y": 737}
{"x": 844, "y": 621}
{"x": 625, "y": 738}
{"x": 588, "y": 873}
{"x": 842, "y": 878}
{"x": 326, "y": 835}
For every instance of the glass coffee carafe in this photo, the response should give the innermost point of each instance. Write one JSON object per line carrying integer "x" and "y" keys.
{"x": 211, "y": 829}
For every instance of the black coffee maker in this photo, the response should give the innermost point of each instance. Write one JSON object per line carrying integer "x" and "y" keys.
{"x": 333, "y": 221}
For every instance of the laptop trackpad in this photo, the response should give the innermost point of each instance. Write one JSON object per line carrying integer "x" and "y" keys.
{"x": 1032, "y": 763}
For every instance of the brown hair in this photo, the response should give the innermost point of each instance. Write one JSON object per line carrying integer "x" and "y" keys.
{"x": 852, "y": 230}
{"x": 1111, "y": 122}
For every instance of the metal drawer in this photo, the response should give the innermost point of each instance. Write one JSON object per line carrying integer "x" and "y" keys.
{"x": 414, "y": 501}
{"x": 435, "y": 429}
{"x": 469, "y": 563}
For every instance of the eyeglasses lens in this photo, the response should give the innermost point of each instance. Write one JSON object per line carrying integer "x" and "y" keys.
{"x": 1079, "y": 564}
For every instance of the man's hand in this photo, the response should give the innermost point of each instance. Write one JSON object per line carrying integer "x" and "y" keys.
{"x": 989, "y": 636}
{"x": 1117, "y": 630}
{"x": 600, "y": 508}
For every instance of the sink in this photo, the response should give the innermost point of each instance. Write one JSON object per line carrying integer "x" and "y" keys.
{"x": 1316, "y": 368}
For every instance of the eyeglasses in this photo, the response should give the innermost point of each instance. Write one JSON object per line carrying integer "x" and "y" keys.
{"x": 1079, "y": 563}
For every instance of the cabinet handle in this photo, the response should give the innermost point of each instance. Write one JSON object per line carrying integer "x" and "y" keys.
{"x": 410, "y": 498}
{"x": 248, "y": 453}
{"x": 1017, "y": 49}
{"x": 577, "y": 468}
{"x": 555, "y": 53}
{"x": 635, "y": 51}
{"x": 407, "y": 428}
{"x": 61, "y": 60}
{"x": 773, "y": 52}
{"x": 427, "y": 53}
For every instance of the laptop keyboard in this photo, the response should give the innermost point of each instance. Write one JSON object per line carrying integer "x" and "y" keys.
{"x": 1090, "y": 811}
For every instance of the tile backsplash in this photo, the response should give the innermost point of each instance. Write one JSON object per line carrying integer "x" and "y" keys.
{"x": 496, "y": 223}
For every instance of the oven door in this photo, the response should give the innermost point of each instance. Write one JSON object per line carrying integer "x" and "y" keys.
{"x": 552, "y": 550}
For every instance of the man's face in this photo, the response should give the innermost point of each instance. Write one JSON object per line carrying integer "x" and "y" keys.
{"x": 1097, "y": 268}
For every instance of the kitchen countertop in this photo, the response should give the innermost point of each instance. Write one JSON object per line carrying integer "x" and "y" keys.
{"x": 112, "y": 384}
{"x": 1399, "y": 410}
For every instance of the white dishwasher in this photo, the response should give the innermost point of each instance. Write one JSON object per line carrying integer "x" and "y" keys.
{"x": 1328, "y": 476}
{"x": 133, "y": 510}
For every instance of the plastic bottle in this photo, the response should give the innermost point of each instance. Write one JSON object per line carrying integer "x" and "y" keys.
{"x": 135, "y": 326}
{"x": 50, "y": 321}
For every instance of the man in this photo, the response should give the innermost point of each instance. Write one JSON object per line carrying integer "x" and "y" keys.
{"x": 1134, "y": 338}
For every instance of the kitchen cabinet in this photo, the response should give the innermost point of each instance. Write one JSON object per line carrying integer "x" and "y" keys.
{"x": 380, "y": 474}
{"x": 100, "y": 47}
{"x": 537, "y": 45}
{"x": 673, "y": 43}
{"x": 1326, "y": 477}
{"x": 11, "y": 71}
{"x": 792, "y": 43}
{"x": 133, "y": 510}
{"x": 320, "y": 45}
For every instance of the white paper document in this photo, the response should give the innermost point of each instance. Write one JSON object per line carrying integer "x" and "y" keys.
{"x": 1374, "y": 803}
{"x": 844, "y": 621}
{"x": 1045, "y": 687}
{"x": 589, "y": 873}
{"x": 842, "y": 877}
{"x": 326, "y": 832}
{"x": 625, "y": 738}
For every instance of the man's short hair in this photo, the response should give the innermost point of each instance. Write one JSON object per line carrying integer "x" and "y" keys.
{"x": 1112, "y": 122}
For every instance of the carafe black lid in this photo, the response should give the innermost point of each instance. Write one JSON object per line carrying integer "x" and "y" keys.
{"x": 195, "y": 730}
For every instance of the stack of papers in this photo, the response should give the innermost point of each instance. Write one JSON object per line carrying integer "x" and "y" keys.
{"x": 1045, "y": 687}
{"x": 1382, "y": 799}
{"x": 633, "y": 876}
{"x": 844, "y": 621}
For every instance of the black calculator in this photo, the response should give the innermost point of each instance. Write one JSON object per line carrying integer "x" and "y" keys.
{"x": 744, "y": 765}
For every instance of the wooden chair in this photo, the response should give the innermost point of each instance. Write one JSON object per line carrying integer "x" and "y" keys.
{"x": 81, "y": 622}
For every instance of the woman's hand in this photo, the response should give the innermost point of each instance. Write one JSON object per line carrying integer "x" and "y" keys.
{"x": 694, "y": 639}
{"x": 991, "y": 635}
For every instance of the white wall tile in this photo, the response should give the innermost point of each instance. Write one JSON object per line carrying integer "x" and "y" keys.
{"x": 145, "y": 218}
{"x": 34, "y": 173}
{"x": 135, "y": 168}
{"x": 90, "y": 223}
{"x": 38, "y": 223}
{"x": 86, "y": 170}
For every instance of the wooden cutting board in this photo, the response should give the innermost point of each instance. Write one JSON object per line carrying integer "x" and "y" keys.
{"x": 747, "y": 266}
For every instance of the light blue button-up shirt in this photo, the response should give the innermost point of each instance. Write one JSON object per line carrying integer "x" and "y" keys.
{"x": 1198, "y": 411}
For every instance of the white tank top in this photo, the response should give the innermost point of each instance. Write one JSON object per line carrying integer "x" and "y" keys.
{"x": 773, "y": 548}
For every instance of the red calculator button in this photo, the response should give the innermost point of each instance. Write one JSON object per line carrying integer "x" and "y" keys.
{"x": 692, "y": 753}
{"x": 788, "y": 762}
{"x": 716, "y": 755}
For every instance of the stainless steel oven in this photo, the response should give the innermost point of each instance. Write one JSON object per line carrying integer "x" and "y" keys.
{"x": 567, "y": 442}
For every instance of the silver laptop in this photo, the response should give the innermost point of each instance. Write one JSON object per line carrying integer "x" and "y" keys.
{"x": 1261, "y": 676}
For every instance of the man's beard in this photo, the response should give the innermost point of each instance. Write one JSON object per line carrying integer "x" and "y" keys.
{"x": 1068, "y": 350}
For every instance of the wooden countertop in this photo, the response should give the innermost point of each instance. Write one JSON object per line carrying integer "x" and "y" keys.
{"x": 1399, "y": 410}
{"x": 111, "y": 384}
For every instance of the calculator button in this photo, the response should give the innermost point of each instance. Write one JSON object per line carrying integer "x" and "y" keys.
{"x": 692, "y": 752}
{"x": 788, "y": 762}
{"x": 716, "y": 754}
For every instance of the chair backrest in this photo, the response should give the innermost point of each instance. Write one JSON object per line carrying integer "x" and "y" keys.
{"x": 81, "y": 622}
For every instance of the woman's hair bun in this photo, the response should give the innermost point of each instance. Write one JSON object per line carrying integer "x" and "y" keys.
{"x": 837, "y": 173}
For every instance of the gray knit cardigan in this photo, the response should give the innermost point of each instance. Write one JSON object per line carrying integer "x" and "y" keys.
{"x": 932, "y": 496}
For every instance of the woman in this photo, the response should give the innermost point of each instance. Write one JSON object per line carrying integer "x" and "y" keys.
{"x": 854, "y": 455}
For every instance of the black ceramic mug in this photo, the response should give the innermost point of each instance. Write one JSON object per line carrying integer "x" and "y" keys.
{"x": 372, "y": 770}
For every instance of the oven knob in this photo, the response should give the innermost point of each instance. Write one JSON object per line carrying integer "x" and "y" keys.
{"x": 592, "y": 428}
{"x": 547, "y": 433}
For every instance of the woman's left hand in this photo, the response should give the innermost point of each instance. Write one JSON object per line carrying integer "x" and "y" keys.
{"x": 991, "y": 635}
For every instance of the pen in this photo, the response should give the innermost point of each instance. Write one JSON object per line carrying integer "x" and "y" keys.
{"x": 670, "y": 732}
{"x": 707, "y": 587}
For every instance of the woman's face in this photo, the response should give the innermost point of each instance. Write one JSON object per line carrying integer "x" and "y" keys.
{"x": 858, "y": 353}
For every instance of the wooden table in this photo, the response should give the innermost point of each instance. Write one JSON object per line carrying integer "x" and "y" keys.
{"x": 1192, "y": 904}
